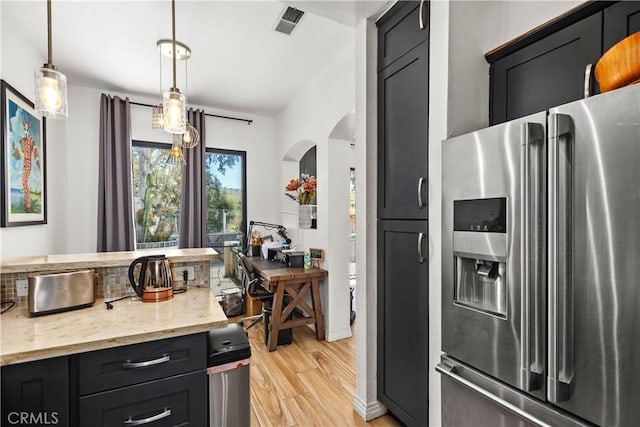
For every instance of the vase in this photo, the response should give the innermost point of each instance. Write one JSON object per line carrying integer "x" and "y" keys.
{"x": 304, "y": 216}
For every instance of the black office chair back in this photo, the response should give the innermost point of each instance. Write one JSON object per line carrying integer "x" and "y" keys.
{"x": 252, "y": 284}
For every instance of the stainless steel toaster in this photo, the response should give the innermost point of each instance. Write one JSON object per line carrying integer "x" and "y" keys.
{"x": 50, "y": 293}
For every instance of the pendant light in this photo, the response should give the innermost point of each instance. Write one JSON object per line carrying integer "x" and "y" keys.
{"x": 174, "y": 104}
{"x": 51, "y": 85}
{"x": 176, "y": 157}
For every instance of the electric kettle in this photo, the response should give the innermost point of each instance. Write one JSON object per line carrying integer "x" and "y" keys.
{"x": 154, "y": 282}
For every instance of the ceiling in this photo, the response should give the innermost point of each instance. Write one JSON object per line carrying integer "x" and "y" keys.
{"x": 238, "y": 61}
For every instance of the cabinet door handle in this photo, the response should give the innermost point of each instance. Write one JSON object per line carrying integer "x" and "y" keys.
{"x": 421, "y": 18}
{"x": 133, "y": 365}
{"x": 420, "y": 256}
{"x": 587, "y": 80}
{"x": 420, "y": 201}
{"x": 164, "y": 414}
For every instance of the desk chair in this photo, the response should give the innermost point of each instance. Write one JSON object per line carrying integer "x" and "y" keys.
{"x": 253, "y": 287}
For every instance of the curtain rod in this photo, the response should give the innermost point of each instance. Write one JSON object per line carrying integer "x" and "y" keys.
{"x": 249, "y": 121}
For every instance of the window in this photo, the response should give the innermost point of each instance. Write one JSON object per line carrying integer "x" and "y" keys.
{"x": 157, "y": 190}
{"x": 156, "y": 195}
{"x": 226, "y": 196}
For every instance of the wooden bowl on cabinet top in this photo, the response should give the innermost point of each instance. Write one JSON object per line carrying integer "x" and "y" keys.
{"x": 620, "y": 65}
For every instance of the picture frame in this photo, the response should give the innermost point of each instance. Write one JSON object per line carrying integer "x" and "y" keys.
{"x": 317, "y": 256}
{"x": 316, "y": 253}
{"x": 23, "y": 189}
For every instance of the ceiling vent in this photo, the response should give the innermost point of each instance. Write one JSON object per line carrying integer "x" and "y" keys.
{"x": 289, "y": 19}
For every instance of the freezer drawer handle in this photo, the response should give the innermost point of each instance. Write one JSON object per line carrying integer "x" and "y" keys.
{"x": 164, "y": 414}
{"x": 420, "y": 184}
{"x": 133, "y": 365}
{"x": 450, "y": 371}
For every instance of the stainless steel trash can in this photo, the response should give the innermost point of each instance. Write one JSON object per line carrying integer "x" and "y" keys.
{"x": 229, "y": 354}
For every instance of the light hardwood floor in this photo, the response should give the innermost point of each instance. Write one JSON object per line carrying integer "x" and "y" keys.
{"x": 306, "y": 383}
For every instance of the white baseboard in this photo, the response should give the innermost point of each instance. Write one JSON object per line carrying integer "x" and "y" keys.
{"x": 338, "y": 335}
{"x": 368, "y": 411}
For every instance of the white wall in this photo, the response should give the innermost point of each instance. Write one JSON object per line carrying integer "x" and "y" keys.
{"x": 72, "y": 158}
{"x": 365, "y": 401}
{"x": 256, "y": 139}
{"x": 309, "y": 119}
{"x": 476, "y": 27}
{"x": 19, "y": 60}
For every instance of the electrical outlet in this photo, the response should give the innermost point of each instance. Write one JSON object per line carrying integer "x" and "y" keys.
{"x": 178, "y": 273}
{"x": 22, "y": 287}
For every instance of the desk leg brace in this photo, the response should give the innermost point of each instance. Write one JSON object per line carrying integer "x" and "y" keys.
{"x": 276, "y": 318}
{"x": 317, "y": 307}
{"x": 315, "y": 314}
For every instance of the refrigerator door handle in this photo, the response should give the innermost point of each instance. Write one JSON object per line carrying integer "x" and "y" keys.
{"x": 532, "y": 253}
{"x": 560, "y": 356}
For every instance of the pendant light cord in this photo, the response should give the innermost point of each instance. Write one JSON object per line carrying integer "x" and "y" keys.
{"x": 49, "y": 42}
{"x": 173, "y": 32}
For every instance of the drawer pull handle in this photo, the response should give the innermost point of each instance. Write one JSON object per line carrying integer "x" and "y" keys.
{"x": 164, "y": 414}
{"x": 133, "y": 365}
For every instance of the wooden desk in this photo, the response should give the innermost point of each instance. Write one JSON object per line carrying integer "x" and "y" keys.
{"x": 296, "y": 282}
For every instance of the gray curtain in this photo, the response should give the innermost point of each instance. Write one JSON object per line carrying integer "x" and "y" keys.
{"x": 115, "y": 207}
{"x": 193, "y": 208}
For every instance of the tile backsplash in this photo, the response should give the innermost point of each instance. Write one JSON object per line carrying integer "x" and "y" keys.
{"x": 111, "y": 282}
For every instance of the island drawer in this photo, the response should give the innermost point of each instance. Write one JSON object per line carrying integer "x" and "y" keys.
{"x": 116, "y": 367}
{"x": 179, "y": 400}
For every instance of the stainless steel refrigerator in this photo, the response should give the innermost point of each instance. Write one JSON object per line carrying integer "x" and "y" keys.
{"x": 541, "y": 268}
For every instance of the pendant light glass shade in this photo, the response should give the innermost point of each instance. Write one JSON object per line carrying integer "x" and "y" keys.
{"x": 51, "y": 93}
{"x": 51, "y": 85}
{"x": 174, "y": 108}
{"x": 157, "y": 117}
{"x": 175, "y": 155}
{"x": 191, "y": 137}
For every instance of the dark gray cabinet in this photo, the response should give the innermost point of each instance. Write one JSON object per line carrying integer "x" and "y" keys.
{"x": 403, "y": 97}
{"x": 36, "y": 393}
{"x": 133, "y": 364}
{"x": 403, "y": 191}
{"x": 620, "y": 20}
{"x": 163, "y": 382}
{"x": 178, "y": 400}
{"x": 403, "y": 319}
{"x": 546, "y": 73}
{"x": 548, "y": 67}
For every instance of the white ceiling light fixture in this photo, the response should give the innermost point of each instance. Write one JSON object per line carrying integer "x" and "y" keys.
{"x": 51, "y": 84}
{"x": 174, "y": 103}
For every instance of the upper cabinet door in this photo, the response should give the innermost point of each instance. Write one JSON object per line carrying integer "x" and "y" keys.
{"x": 399, "y": 30}
{"x": 402, "y": 137}
{"x": 546, "y": 73}
{"x": 620, "y": 20}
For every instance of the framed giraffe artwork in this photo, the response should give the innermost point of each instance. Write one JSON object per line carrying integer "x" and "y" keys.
{"x": 24, "y": 190}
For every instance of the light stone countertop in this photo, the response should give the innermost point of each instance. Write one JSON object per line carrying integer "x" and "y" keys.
{"x": 24, "y": 338}
{"x": 103, "y": 259}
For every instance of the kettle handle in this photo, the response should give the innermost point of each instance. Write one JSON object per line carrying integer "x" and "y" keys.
{"x": 137, "y": 287}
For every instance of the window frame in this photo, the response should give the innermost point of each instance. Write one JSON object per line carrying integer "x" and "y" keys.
{"x": 149, "y": 144}
{"x": 243, "y": 157}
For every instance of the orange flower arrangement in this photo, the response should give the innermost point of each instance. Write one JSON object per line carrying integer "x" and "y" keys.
{"x": 304, "y": 188}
